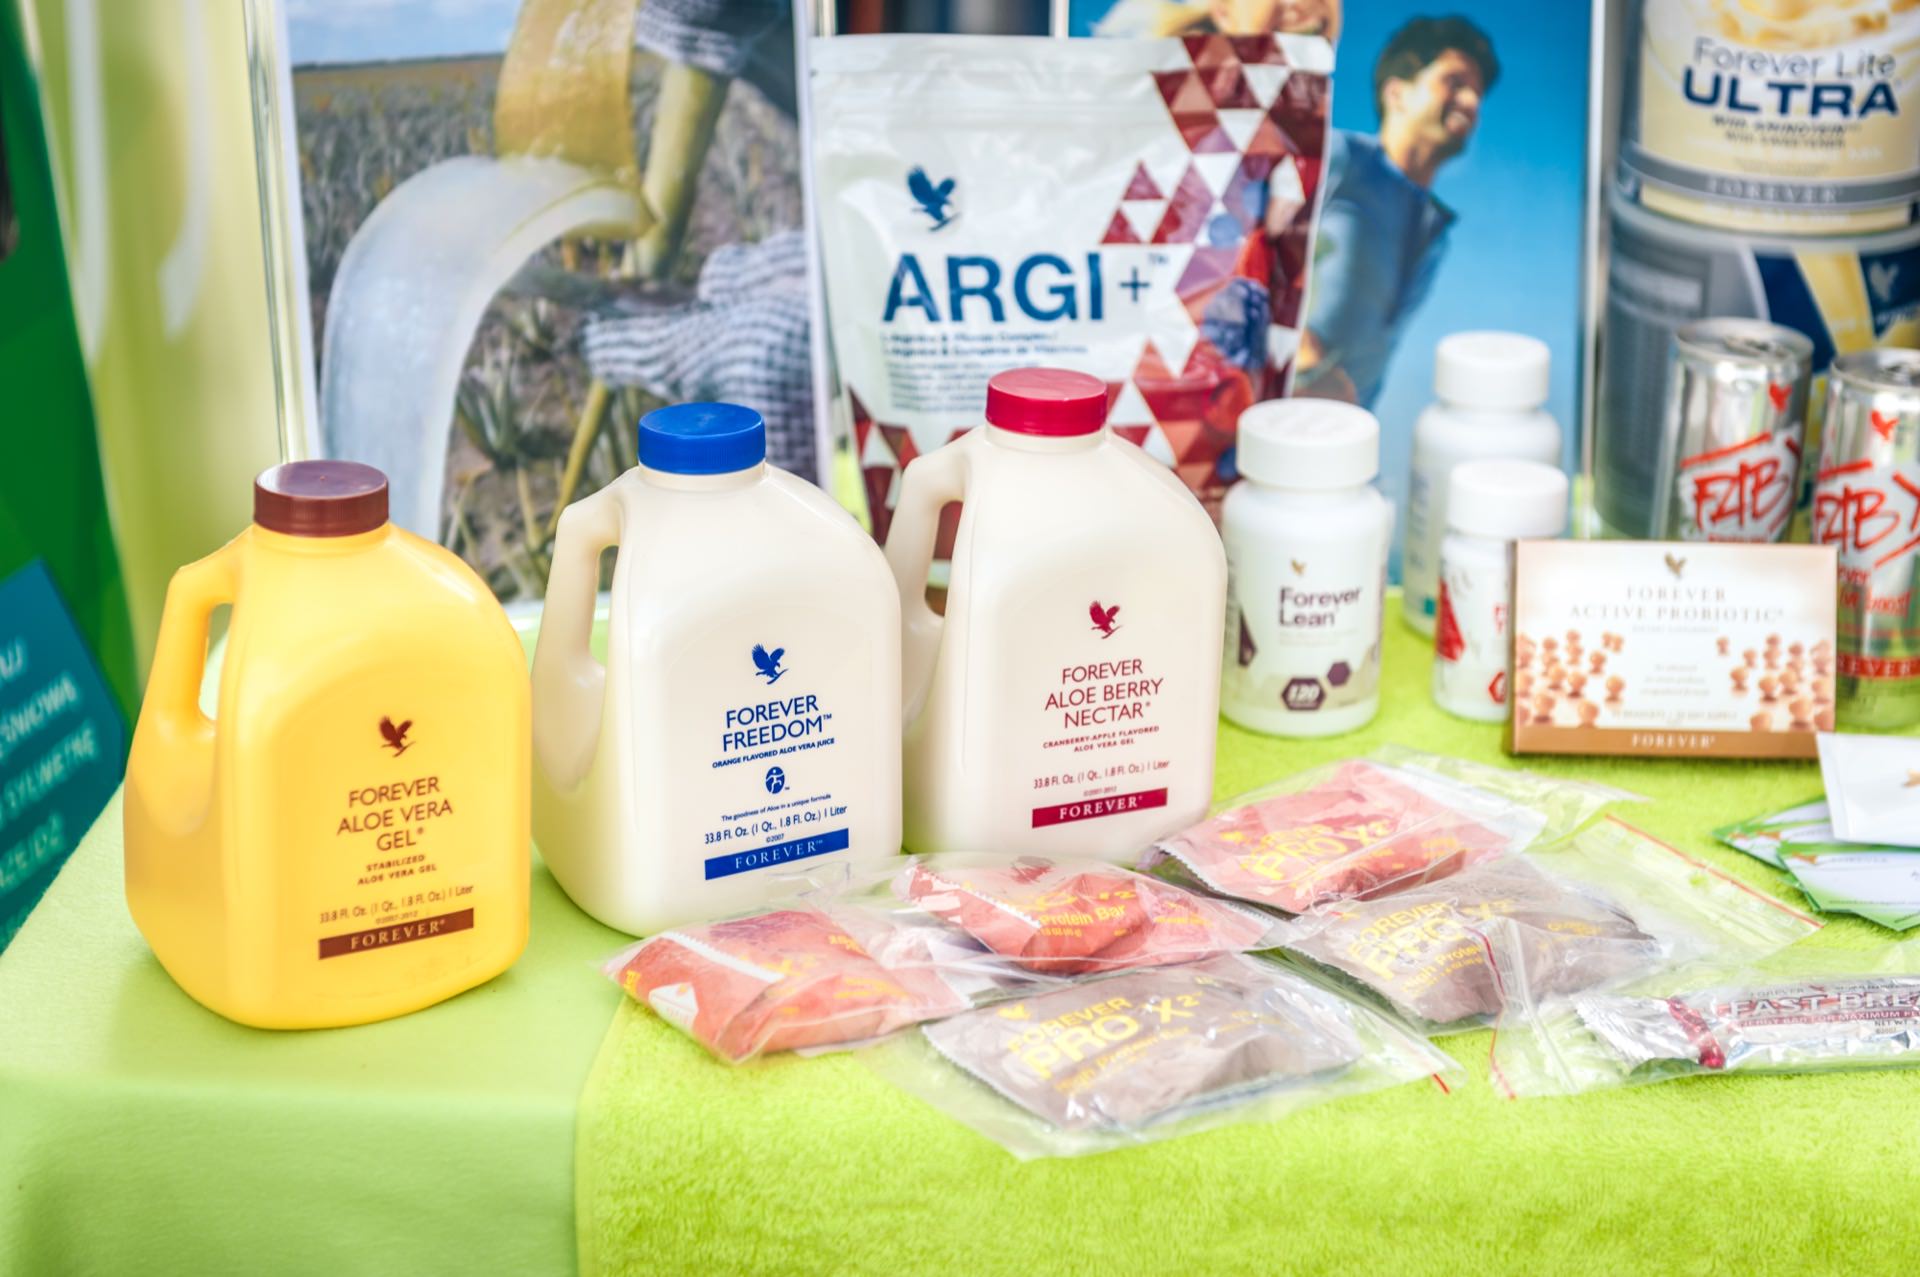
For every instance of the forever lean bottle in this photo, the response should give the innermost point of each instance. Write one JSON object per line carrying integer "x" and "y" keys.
{"x": 1066, "y": 703}
{"x": 748, "y": 714}
{"x": 1307, "y": 537}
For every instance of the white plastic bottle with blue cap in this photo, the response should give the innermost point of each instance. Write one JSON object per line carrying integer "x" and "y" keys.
{"x": 1067, "y": 701}
{"x": 744, "y": 730}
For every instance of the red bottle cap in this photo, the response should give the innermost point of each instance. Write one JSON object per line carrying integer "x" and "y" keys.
{"x": 1047, "y": 401}
{"x": 320, "y": 498}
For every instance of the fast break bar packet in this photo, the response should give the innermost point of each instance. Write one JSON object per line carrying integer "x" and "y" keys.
{"x": 1070, "y": 918}
{"x": 1144, "y": 1055}
{"x": 1372, "y": 825}
{"x": 1140, "y": 210}
{"x": 1797, "y": 1012}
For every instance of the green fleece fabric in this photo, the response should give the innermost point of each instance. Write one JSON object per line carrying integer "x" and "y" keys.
{"x": 141, "y": 1133}
{"x": 803, "y": 1166}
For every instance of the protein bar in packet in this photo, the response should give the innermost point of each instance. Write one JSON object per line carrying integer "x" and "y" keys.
{"x": 1788, "y": 1013}
{"x": 1147, "y": 1054}
{"x": 1843, "y": 1022}
{"x": 1140, "y": 210}
{"x": 1422, "y": 949}
{"x": 1069, "y": 918}
{"x": 1609, "y": 905}
{"x": 1370, "y": 825}
{"x": 780, "y": 980}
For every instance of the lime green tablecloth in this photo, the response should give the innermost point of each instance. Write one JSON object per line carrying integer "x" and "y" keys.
{"x": 141, "y": 1133}
{"x": 817, "y": 1165}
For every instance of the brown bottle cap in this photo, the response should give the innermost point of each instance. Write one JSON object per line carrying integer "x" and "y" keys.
{"x": 320, "y": 498}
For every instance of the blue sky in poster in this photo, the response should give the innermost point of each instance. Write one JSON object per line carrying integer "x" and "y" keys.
{"x": 1513, "y": 259}
{"x": 390, "y": 30}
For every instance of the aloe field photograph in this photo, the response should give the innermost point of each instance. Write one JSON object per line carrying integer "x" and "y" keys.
{"x": 467, "y": 224}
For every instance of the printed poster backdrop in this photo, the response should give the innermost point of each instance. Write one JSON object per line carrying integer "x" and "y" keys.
{"x": 1507, "y": 250}
{"x": 529, "y": 222}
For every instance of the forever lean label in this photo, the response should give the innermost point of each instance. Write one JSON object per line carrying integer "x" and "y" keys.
{"x": 62, "y": 742}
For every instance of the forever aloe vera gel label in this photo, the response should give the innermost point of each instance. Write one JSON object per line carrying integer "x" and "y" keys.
{"x": 62, "y": 742}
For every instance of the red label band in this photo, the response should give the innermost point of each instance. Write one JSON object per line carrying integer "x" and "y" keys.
{"x": 396, "y": 933}
{"x": 1094, "y": 808}
{"x": 1878, "y": 666}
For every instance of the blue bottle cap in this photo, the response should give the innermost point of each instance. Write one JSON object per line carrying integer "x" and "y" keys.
{"x": 702, "y": 438}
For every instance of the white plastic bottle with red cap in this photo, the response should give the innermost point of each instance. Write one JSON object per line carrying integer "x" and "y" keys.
{"x": 1066, "y": 702}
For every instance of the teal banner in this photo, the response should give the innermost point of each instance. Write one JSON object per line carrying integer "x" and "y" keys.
{"x": 62, "y": 741}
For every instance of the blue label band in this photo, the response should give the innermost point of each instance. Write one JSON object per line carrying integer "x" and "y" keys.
{"x": 739, "y": 862}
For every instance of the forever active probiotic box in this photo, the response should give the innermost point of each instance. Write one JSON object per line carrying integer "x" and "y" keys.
{"x": 744, "y": 730}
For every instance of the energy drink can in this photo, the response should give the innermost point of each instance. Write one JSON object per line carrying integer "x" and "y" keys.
{"x": 1844, "y": 294}
{"x": 1733, "y": 431}
{"x": 1759, "y": 115}
{"x": 1866, "y": 502}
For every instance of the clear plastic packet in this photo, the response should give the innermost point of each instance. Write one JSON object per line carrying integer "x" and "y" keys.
{"x": 1148, "y": 1054}
{"x": 1873, "y": 788}
{"x": 1801, "y": 1011}
{"x": 801, "y": 976}
{"x": 1609, "y": 905}
{"x": 1073, "y": 917}
{"x": 1367, "y": 826}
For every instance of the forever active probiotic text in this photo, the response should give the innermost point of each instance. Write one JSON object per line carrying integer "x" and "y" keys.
{"x": 744, "y": 728}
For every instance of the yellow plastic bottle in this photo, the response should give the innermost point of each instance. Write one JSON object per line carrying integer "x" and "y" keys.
{"x": 346, "y": 839}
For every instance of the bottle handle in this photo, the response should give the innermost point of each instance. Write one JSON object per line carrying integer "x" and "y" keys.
{"x": 569, "y": 685}
{"x": 172, "y": 724}
{"x": 929, "y": 483}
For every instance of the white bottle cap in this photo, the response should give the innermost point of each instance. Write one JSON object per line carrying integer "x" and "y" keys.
{"x": 1507, "y": 500}
{"x": 1504, "y": 372}
{"x": 1308, "y": 443}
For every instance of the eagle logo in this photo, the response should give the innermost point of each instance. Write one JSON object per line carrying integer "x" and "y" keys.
{"x": 1675, "y": 566}
{"x": 767, "y": 664}
{"x": 1103, "y": 618}
{"x": 936, "y": 201}
{"x": 396, "y": 737}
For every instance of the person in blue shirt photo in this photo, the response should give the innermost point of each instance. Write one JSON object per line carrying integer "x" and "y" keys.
{"x": 1382, "y": 230}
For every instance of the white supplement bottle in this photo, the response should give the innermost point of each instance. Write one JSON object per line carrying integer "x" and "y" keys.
{"x": 1490, "y": 388}
{"x": 1068, "y": 700}
{"x": 747, "y": 718}
{"x": 1307, "y": 536}
{"x": 1494, "y": 504}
